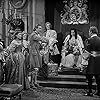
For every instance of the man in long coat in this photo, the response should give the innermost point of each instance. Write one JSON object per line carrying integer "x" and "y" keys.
{"x": 93, "y": 68}
{"x": 35, "y": 58}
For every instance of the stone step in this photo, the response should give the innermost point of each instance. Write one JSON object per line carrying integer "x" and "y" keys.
{"x": 67, "y": 78}
{"x": 65, "y": 81}
{"x": 70, "y": 71}
{"x": 65, "y": 84}
{"x": 74, "y": 78}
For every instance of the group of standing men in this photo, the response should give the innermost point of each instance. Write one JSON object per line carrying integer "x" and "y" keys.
{"x": 23, "y": 55}
{"x": 93, "y": 68}
{"x": 47, "y": 42}
{"x": 93, "y": 48}
{"x": 35, "y": 41}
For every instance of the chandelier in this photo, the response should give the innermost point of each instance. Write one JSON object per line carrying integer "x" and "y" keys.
{"x": 74, "y": 12}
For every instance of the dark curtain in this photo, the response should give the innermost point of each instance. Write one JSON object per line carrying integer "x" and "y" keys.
{"x": 94, "y": 13}
{"x": 49, "y": 12}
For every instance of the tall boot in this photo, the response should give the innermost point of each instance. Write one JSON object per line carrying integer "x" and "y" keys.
{"x": 32, "y": 85}
{"x": 89, "y": 93}
{"x": 98, "y": 90}
{"x": 90, "y": 86}
{"x": 98, "y": 85}
{"x": 35, "y": 79}
{"x": 90, "y": 83}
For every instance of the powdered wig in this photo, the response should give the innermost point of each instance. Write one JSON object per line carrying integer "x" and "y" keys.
{"x": 26, "y": 35}
{"x": 49, "y": 24}
{"x": 93, "y": 29}
{"x": 36, "y": 26}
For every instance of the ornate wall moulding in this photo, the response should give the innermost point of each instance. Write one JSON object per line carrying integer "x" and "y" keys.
{"x": 18, "y": 4}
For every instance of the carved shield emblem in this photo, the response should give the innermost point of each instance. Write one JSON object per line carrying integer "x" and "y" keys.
{"x": 75, "y": 12}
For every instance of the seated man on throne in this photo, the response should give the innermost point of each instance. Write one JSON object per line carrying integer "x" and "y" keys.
{"x": 72, "y": 50}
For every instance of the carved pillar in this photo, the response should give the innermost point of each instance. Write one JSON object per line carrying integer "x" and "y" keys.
{"x": 33, "y": 11}
{"x": 3, "y": 22}
{"x": 31, "y": 15}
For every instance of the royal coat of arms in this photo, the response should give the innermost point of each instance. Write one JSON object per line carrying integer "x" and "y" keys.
{"x": 75, "y": 12}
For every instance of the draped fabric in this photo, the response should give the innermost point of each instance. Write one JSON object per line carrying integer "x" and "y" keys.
{"x": 25, "y": 51}
{"x": 15, "y": 65}
{"x": 71, "y": 53}
{"x": 51, "y": 35}
{"x": 35, "y": 58}
{"x": 79, "y": 41}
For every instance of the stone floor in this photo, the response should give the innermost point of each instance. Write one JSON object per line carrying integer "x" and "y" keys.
{"x": 46, "y": 93}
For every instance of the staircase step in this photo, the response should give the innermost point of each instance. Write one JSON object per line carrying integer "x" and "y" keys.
{"x": 65, "y": 84}
{"x": 70, "y": 71}
{"x": 68, "y": 78}
{"x": 74, "y": 78}
{"x": 65, "y": 81}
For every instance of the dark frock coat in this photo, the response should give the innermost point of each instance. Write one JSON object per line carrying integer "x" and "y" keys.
{"x": 35, "y": 59}
{"x": 94, "y": 62}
